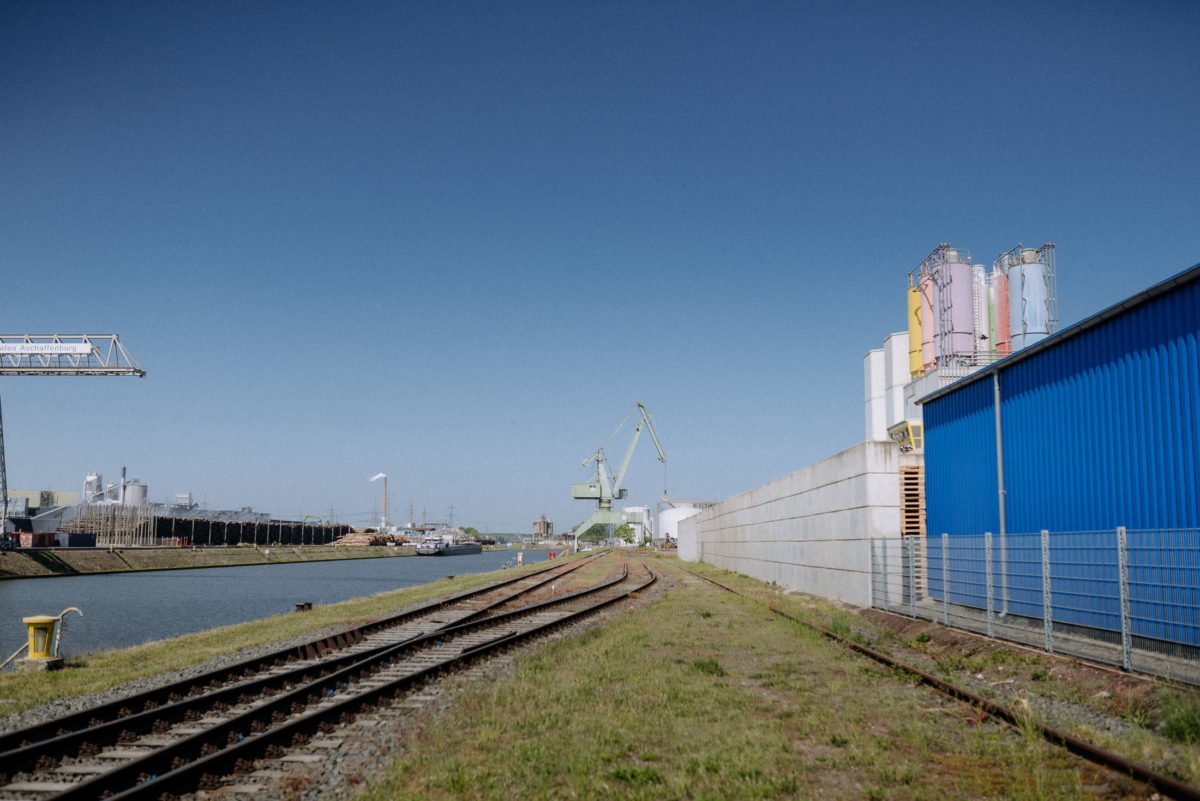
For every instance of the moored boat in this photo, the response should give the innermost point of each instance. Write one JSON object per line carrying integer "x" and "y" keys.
{"x": 447, "y": 545}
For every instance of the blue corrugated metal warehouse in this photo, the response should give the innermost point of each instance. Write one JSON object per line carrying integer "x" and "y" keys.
{"x": 1098, "y": 427}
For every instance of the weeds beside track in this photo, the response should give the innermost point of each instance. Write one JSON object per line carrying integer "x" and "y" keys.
{"x": 1169, "y": 786}
{"x": 189, "y": 742}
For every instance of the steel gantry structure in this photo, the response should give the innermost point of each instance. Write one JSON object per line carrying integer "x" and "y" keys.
{"x": 59, "y": 354}
{"x": 604, "y": 488}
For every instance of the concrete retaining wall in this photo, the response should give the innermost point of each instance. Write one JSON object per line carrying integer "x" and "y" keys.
{"x": 809, "y": 530}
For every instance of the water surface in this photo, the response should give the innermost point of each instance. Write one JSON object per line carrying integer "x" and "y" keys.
{"x": 125, "y": 609}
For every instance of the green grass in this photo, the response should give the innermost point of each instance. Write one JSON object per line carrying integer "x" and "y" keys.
{"x": 708, "y": 666}
{"x": 636, "y": 710}
{"x": 1181, "y": 719}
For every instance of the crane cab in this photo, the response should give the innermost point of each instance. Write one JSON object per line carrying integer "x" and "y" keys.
{"x": 591, "y": 491}
{"x": 586, "y": 491}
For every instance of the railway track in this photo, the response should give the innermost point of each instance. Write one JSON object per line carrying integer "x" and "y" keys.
{"x": 1163, "y": 784}
{"x": 411, "y": 622}
{"x": 206, "y": 729}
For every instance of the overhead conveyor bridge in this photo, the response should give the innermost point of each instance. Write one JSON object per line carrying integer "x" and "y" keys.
{"x": 66, "y": 354}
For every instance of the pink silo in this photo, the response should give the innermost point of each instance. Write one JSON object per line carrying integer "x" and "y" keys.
{"x": 1003, "y": 322}
{"x": 956, "y": 308}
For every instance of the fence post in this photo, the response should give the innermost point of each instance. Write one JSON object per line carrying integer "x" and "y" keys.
{"x": 945, "y": 578}
{"x": 1003, "y": 573}
{"x": 874, "y": 574}
{"x": 887, "y": 590}
{"x": 912, "y": 576}
{"x": 1123, "y": 581}
{"x": 1047, "y": 605}
{"x": 987, "y": 569}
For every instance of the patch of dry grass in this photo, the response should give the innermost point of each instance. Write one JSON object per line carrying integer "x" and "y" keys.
{"x": 702, "y": 695}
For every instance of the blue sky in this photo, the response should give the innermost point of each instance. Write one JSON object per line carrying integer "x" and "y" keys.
{"x": 454, "y": 242}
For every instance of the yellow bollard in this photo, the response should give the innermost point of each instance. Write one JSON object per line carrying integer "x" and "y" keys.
{"x": 42, "y": 649}
{"x": 41, "y": 635}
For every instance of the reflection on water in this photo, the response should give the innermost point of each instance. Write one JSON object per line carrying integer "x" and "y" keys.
{"x": 131, "y": 608}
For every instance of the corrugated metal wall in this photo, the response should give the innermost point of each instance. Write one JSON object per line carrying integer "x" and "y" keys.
{"x": 960, "y": 462}
{"x": 1100, "y": 430}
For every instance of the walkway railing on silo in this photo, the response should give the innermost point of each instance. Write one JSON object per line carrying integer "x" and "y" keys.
{"x": 1128, "y": 598}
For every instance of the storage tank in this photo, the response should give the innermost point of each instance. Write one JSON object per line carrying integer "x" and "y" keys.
{"x": 979, "y": 296}
{"x": 896, "y": 376}
{"x": 1003, "y": 321}
{"x": 916, "y": 365}
{"x": 875, "y": 392}
{"x": 1029, "y": 299}
{"x": 928, "y": 290}
{"x": 135, "y": 493}
{"x": 668, "y": 519}
{"x": 990, "y": 296}
{"x": 955, "y": 306}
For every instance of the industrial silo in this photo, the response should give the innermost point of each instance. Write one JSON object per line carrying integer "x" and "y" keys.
{"x": 984, "y": 343}
{"x": 916, "y": 364}
{"x": 1030, "y": 296}
{"x": 135, "y": 493}
{"x": 1000, "y": 307}
{"x": 955, "y": 305}
{"x": 675, "y": 511}
{"x": 928, "y": 289}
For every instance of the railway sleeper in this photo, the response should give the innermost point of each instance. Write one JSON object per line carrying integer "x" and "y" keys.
{"x": 357, "y": 700}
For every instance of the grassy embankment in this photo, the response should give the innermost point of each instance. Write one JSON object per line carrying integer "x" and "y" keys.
{"x": 703, "y": 695}
{"x": 106, "y": 669}
{"x": 76, "y": 561}
{"x": 698, "y": 695}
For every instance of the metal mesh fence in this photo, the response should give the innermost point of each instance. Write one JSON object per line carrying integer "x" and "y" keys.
{"x": 1128, "y": 598}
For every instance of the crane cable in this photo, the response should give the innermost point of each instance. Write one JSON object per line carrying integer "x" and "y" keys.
{"x": 620, "y": 425}
{"x": 666, "y": 497}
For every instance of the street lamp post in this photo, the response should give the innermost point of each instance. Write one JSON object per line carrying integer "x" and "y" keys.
{"x": 383, "y": 517}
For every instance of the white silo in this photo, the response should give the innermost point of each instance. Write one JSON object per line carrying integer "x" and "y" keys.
{"x": 1031, "y": 295}
{"x": 136, "y": 493}
{"x": 668, "y": 519}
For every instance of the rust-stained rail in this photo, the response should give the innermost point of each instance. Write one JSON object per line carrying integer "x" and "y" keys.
{"x": 284, "y": 708}
{"x": 1173, "y": 788}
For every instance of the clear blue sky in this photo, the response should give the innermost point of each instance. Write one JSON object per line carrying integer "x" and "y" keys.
{"x": 455, "y": 242}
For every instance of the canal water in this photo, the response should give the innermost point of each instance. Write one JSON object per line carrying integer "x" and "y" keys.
{"x": 124, "y": 609}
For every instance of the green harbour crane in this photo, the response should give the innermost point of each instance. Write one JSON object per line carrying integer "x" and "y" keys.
{"x": 604, "y": 488}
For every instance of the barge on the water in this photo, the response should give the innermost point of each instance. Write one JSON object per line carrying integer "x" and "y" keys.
{"x": 447, "y": 546}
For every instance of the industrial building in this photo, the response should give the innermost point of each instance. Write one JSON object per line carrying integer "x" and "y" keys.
{"x": 120, "y": 514}
{"x": 640, "y": 522}
{"x": 1083, "y": 452}
{"x": 1033, "y": 484}
{"x": 961, "y": 317}
{"x": 26, "y": 502}
{"x": 812, "y": 529}
{"x": 543, "y": 529}
{"x": 1099, "y": 426}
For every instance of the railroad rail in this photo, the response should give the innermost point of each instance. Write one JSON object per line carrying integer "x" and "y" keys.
{"x": 421, "y": 619}
{"x": 1166, "y": 785}
{"x": 191, "y": 742}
